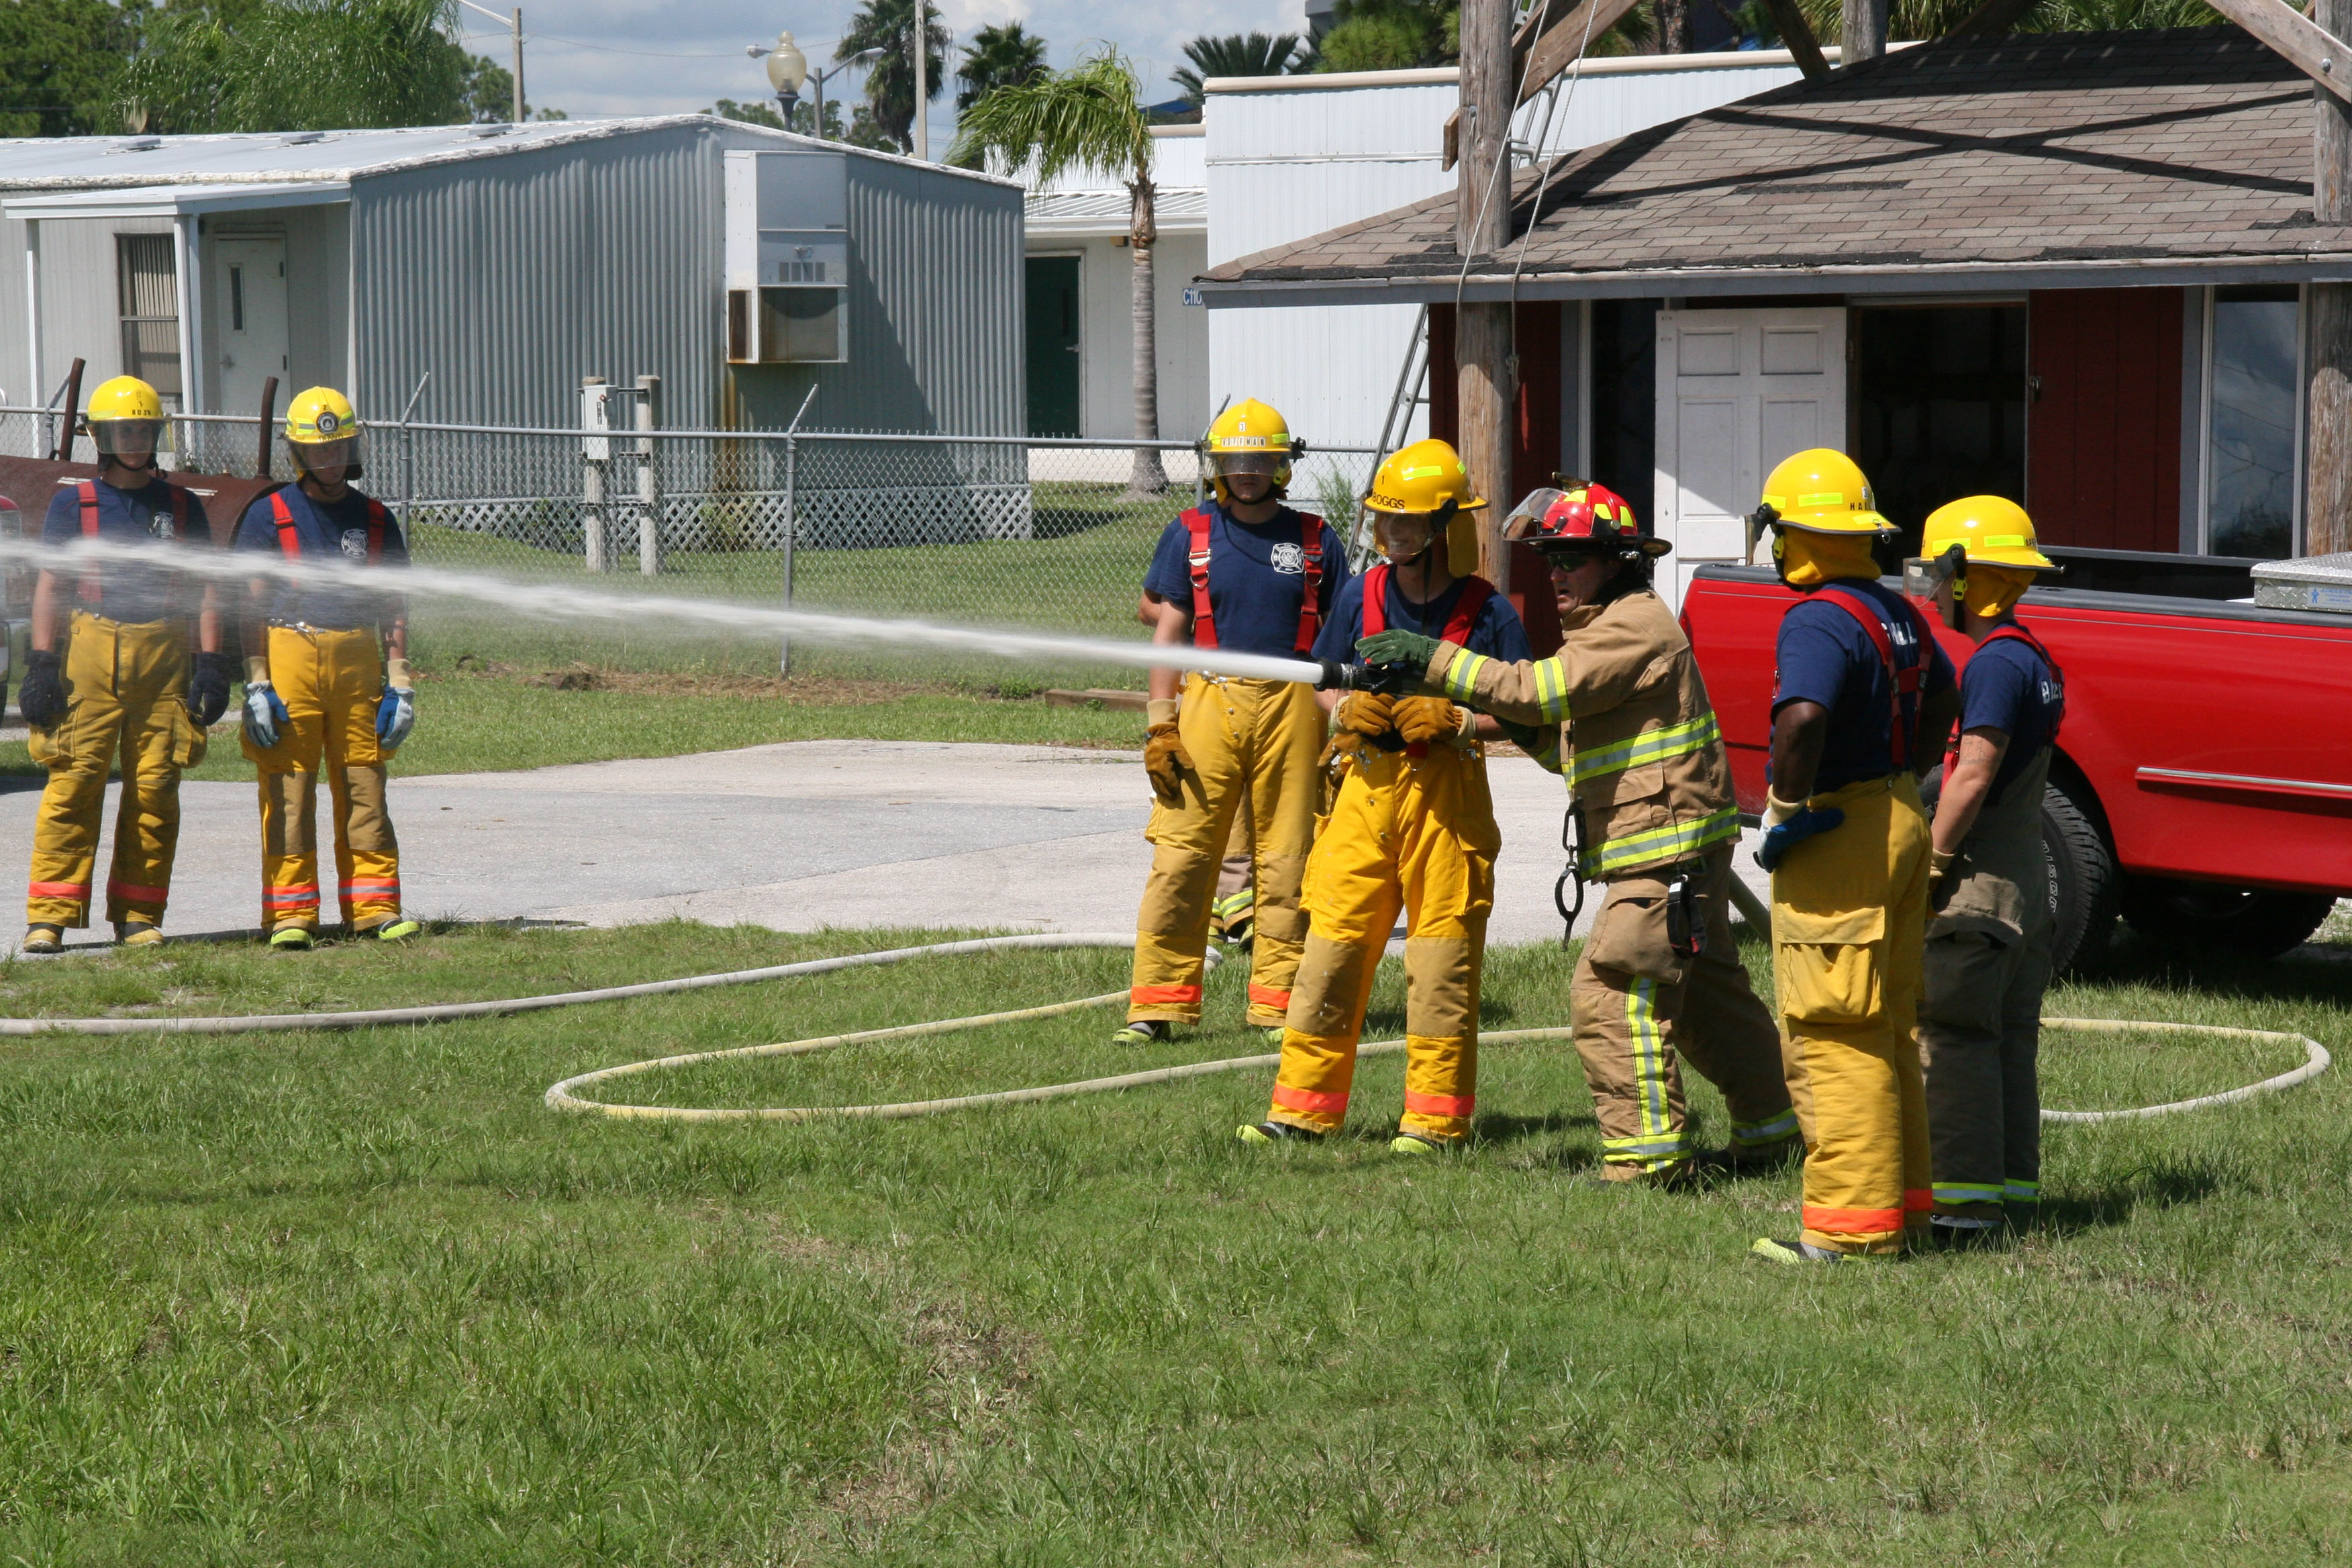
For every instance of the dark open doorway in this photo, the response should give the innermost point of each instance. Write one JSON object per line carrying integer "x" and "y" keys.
{"x": 1938, "y": 405}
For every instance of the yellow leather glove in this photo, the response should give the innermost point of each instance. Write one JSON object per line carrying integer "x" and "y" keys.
{"x": 1365, "y": 713}
{"x": 1424, "y": 719}
{"x": 1164, "y": 756}
{"x": 1939, "y": 861}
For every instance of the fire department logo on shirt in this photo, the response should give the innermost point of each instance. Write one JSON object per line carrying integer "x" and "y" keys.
{"x": 355, "y": 543}
{"x": 1290, "y": 560}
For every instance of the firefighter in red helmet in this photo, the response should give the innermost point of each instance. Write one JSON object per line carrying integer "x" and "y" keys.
{"x": 1621, "y": 713}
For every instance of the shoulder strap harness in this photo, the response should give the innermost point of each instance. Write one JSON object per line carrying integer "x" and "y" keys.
{"x": 2014, "y": 631}
{"x": 92, "y": 588}
{"x": 1476, "y": 592}
{"x": 1905, "y": 685}
{"x": 1310, "y": 609}
{"x": 290, "y": 538}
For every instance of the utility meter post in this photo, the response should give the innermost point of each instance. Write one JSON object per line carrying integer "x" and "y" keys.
{"x": 922, "y": 82}
{"x": 595, "y": 450}
{"x": 514, "y": 23}
{"x": 649, "y": 499}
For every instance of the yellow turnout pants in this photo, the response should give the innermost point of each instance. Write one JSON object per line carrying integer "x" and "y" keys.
{"x": 1639, "y": 1006}
{"x": 127, "y": 690}
{"x": 1849, "y": 926}
{"x": 1254, "y": 741}
{"x": 1410, "y": 834}
{"x": 330, "y": 682}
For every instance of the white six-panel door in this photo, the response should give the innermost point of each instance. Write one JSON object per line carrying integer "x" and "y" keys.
{"x": 1738, "y": 391}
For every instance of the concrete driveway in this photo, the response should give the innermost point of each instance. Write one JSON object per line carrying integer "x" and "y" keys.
{"x": 794, "y": 837}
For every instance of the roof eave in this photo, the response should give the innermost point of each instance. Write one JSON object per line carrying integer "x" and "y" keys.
{"x": 1930, "y": 277}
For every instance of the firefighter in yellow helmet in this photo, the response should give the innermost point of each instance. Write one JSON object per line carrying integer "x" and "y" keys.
{"x": 1411, "y": 829}
{"x": 135, "y": 670}
{"x": 327, "y": 683}
{"x": 1864, "y": 699}
{"x": 1659, "y": 978}
{"x": 1249, "y": 573}
{"x": 1989, "y": 929}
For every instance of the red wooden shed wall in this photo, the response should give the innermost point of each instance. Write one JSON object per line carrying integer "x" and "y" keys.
{"x": 2102, "y": 441}
{"x": 1534, "y": 439}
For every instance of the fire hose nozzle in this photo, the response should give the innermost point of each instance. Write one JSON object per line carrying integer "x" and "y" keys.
{"x": 1337, "y": 677}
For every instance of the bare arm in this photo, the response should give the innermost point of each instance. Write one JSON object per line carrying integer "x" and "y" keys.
{"x": 255, "y": 626}
{"x": 208, "y": 620}
{"x": 1799, "y": 732}
{"x": 1175, "y": 629}
{"x": 1968, "y": 783}
{"x": 396, "y": 629}
{"x": 44, "y": 631}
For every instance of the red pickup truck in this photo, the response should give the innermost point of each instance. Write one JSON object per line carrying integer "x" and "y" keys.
{"x": 2203, "y": 783}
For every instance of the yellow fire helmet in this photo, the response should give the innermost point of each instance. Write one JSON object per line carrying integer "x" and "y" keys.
{"x": 1820, "y": 491}
{"x": 1415, "y": 495}
{"x": 322, "y": 420}
{"x": 1992, "y": 530}
{"x": 1250, "y": 438}
{"x": 124, "y": 415}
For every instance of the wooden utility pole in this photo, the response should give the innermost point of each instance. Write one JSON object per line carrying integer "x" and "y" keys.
{"x": 2328, "y": 507}
{"x": 1484, "y": 360}
{"x": 1863, "y": 34}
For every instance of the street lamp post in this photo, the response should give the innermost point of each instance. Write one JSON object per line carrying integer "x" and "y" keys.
{"x": 804, "y": 75}
{"x": 787, "y": 70}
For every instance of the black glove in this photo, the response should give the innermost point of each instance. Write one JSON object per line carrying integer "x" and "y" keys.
{"x": 208, "y": 688}
{"x": 42, "y": 699}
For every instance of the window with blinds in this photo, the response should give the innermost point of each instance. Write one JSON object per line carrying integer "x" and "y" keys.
{"x": 148, "y": 287}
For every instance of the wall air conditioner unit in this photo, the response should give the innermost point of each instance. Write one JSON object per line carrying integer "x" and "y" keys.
{"x": 787, "y": 258}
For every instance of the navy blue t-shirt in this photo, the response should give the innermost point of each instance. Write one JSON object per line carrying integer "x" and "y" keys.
{"x": 1256, "y": 573}
{"x": 1495, "y": 632}
{"x": 337, "y": 530}
{"x": 1825, "y": 656}
{"x": 2009, "y": 687}
{"x": 130, "y": 593}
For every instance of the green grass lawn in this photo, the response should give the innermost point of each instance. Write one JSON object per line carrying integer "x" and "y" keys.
{"x": 359, "y": 1299}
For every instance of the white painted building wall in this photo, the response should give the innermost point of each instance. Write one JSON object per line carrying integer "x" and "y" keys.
{"x": 1290, "y": 157}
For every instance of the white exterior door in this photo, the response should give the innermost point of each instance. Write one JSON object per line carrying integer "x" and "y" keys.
{"x": 1738, "y": 391}
{"x": 249, "y": 322}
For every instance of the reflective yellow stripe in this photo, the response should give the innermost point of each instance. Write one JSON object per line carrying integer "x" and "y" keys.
{"x": 1649, "y": 1060}
{"x": 1551, "y": 690}
{"x": 1650, "y": 746}
{"x": 1548, "y": 758}
{"x": 1676, "y": 839}
{"x": 1461, "y": 680}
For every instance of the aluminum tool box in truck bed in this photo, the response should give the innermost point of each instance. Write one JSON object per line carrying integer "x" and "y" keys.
{"x": 2203, "y": 781}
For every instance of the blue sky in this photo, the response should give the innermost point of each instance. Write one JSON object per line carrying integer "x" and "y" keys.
{"x": 667, "y": 56}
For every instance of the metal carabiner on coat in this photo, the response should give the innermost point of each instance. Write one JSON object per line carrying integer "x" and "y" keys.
{"x": 1571, "y": 838}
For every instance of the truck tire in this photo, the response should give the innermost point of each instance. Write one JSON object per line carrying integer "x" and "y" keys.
{"x": 2206, "y": 918}
{"x": 2082, "y": 883}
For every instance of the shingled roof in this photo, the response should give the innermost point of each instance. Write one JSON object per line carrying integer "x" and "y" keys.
{"x": 2053, "y": 160}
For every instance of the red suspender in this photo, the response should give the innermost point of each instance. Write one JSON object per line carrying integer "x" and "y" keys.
{"x": 1205, "y": 623}
{"x": 377, "y": 518}
{"x": 93, "y": 584}
{"x": 288, "y": 539}
{"x": 1476, "y": 592}
{"x": 1904, "y": 686}
{"x": 1310, "y": 608}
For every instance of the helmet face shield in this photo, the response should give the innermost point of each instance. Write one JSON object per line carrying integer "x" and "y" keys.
{"x": 1526, "y": 520}
{"x": 1931, "y": 582}
{"x": 1402, "y": 535}
{"x": 1274, "y": 465}
{"x": 331, "y": 461}
{"x": 126, "y": 438}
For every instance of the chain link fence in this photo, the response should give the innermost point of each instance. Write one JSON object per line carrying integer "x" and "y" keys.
{"x": 1051, "y": 534}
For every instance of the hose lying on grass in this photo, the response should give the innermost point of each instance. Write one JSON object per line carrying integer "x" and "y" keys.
{"x": 561, "y": 1097}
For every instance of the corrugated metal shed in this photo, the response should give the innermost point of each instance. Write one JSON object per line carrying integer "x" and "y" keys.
{"x": 510, "y": 266}
{"x": 1289, "y": 157}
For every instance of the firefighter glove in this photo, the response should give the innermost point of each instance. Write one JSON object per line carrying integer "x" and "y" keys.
{"x": 1939, "y": 862}
{"x": 263, "y": 712}
{"x": 1392, "y": 646}
{"x": 1789, "y": 823}
{"x": 1165, "y": 760}
{"x": 208, "y": 688}
{"x": 42, "y": 698}
{"x": 1423, "y": 719}
{"x": 1367, "y": 713}
{"x": 395, "y": 716}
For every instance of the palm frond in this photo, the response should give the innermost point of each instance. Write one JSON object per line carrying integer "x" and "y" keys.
{"x": 1086, "y": 118}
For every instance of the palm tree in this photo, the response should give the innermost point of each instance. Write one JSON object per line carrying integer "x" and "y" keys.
{"x": 271, "y": 65}
{"x": 1234, "y": 54}
{"x": 1089, "y": 118}
{"x": 889, "y": 26}
{"x": 1004, "y": 56}
{"x": 1392, "y": 35}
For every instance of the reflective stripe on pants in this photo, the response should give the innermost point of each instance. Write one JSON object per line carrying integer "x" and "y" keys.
{"x": 330, "y": 682}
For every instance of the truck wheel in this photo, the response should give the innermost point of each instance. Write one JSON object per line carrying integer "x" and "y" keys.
{"x": 2082, "y": 883}
{"x": 2204, "y": 917}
